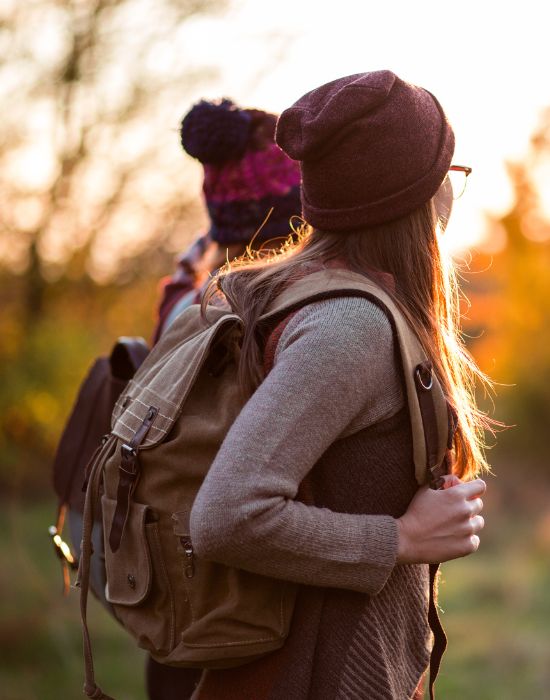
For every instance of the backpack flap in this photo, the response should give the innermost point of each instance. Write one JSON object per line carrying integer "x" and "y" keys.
{"x": 168, "y": 374}
{"x": 426, "y": 401}
{"x": 146, "y": 412}
{"x": 130, "y": 580}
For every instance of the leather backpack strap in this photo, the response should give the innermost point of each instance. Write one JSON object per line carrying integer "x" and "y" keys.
{"x": 433, "y": 422}
{"x": 333, "y": 282}
{"x": 436, "y": 469}
{"x": 128, "y": 477}
{"x": 91, "y": 689}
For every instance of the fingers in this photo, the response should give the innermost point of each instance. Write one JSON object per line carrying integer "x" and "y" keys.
{"x": 477, "y": 524}
{"x": 470, "y": 527}
{"x": 444, "y": 524}
{"x": 475, "y": 506}
{"x": 472, "y": 489}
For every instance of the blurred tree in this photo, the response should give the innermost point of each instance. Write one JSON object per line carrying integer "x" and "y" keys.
{"x": 91, "y": 189}
{"x": 86, "y": 170}
{"x": 511, "y": 304}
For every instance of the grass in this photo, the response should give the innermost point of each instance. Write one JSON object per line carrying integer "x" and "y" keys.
{"x": 40, "y": 638}
{"x": 496, "y": 612}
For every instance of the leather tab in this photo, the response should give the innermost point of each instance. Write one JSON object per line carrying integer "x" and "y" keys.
{"x": 424, "y": 381}
{"x": 128, "y": 476}
{"x": 440, "y": 638}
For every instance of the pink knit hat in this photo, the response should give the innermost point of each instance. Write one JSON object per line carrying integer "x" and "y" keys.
{"x": 372, "y": 147}
{"x": 246, "y": 175}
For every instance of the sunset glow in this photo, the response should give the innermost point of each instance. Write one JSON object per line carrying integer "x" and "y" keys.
{"x": 486, "y": 75}
{"x": 484, "y": 61}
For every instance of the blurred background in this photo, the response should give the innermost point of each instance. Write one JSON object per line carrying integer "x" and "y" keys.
{"x": 97, "y": 198}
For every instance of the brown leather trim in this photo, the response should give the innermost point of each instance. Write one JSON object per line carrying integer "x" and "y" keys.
{"x": 128, "y": 476}
{"x": 423, "y": 379}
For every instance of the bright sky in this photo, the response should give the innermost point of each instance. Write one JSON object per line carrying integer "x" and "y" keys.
{"x": 486, "y": 61}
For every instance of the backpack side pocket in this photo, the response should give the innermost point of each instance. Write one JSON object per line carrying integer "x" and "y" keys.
{"x": 138, "y": 587}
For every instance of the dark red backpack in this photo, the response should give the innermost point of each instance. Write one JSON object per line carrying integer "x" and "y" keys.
{"x": 88, "y": 422}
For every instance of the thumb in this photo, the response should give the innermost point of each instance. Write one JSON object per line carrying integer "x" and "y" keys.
{"x": 450, "y": 480}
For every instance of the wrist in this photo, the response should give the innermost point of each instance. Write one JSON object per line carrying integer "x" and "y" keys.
{"x": 403, "y": 542}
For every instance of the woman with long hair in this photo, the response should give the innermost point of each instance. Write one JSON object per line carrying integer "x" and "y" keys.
{"x": 315, "y": 482}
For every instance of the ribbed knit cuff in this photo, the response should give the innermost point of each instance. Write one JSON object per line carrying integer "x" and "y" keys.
{"x": 381, "y": 540}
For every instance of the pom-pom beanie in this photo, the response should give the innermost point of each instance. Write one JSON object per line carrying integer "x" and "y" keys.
{"x": 245, "y": 173}
{"x": 372, "y": 148}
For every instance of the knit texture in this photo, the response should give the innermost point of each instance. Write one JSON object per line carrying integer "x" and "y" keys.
{"x": 330, "y": 408}
{"x": 215, "y": 132}
{"x": 373, "y": 148}
{"x": 245, "y": 174}
{"x": 329, "y": 379}
{"x": 240, "y": 194}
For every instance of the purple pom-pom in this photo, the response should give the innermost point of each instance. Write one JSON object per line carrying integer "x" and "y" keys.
{"x": 215, "y": 132}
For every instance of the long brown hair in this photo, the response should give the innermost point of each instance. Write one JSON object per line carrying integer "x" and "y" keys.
{"x": 424, "y": 286}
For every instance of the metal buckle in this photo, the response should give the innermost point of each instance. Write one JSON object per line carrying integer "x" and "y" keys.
{"x": 128, "y": 452}
{"x": 61, "y": 548}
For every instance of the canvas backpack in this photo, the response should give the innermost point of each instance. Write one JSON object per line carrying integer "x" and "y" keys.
{"x": 166, "y": 429}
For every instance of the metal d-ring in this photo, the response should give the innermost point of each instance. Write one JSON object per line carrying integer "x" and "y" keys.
{"x": 420, "y": 379}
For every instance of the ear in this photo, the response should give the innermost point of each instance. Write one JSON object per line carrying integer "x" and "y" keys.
{"x": 443, "y": 201}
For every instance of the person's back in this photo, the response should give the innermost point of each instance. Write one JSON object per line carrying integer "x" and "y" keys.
{"x": 315, "y": 482}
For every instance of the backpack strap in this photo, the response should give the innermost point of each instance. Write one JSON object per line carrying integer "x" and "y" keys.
{"x": 91, "y": 506}
{"x": 426, "y": 401}
{"x": 433, "y": 421}
{"x": 128, "y": 476}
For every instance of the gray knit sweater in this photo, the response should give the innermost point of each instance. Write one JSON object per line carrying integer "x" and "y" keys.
{"x": 334, "y": 374}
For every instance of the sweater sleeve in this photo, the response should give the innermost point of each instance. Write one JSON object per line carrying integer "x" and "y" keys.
{"x": 334, "y": 363}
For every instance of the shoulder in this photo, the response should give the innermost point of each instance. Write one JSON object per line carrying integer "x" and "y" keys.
{"x": 340, "y": 323}
{"x": 343, "y": 348}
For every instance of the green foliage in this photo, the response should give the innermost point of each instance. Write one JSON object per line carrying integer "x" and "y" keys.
{"x": 496, "y": 607}
{"x": 40, "y": 637}
{"x": 43, "y": 360}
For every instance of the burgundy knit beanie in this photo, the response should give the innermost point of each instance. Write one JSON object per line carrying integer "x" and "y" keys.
{"x": 372, "y": 148}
